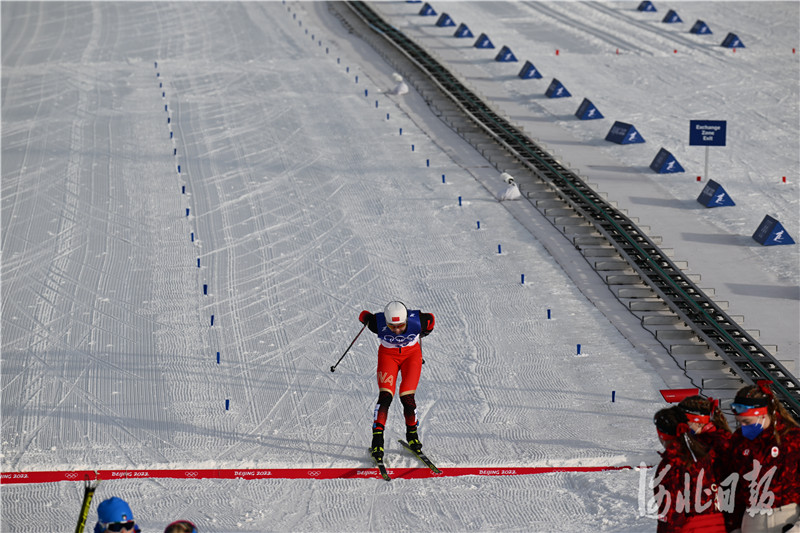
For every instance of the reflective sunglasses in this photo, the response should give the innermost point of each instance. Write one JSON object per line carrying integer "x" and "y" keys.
{"x": 119, "y": 526}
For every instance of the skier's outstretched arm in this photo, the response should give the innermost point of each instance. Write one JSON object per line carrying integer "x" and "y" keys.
{"x": 369, "y": 320}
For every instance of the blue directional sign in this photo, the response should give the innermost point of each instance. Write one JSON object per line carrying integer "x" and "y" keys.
{"x": 714, "y": 195}
{"x": 770, "y": 233}
{"x": 707, "y": 132}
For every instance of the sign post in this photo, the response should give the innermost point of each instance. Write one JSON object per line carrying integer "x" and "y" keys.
{"x": 707, "y": 133}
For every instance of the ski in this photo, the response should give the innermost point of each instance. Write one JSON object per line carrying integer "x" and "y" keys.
{"x": 381, "y": 468}
{"x": 421, "y": 456}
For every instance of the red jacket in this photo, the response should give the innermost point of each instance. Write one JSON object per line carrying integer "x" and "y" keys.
{"x": 718, "y": 440}
{"x": 685, "y": 490}
{"x": 768, "y": 469}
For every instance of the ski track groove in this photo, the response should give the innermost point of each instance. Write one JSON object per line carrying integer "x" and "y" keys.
{"x": 90, "y": 400}
{"x": 573, "y": 21}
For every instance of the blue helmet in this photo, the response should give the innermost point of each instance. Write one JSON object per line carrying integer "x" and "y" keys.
{"x": 111, "y": 511}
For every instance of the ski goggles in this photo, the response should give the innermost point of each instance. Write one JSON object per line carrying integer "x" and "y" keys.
{"x": 118, "y": 526}
{"x": 741, "y": 409}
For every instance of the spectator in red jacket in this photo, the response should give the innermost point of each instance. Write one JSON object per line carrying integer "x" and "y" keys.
{"x": 399, "y": 331}
{"x": 709, "y": 425}
{"x": 685, "y": 481}
{"x": 765, "y": 460}
{"x": 706, "y": 420}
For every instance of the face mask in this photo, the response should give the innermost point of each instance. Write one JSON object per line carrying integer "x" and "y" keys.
{"x": 751, "y": 431}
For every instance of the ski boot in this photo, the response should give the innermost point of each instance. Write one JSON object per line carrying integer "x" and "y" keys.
{"x": 376, "y": 450}
{"x": 413, "y": 439}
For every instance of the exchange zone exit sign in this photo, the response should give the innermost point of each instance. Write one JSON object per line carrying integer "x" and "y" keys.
{"x": 707, "y": 132}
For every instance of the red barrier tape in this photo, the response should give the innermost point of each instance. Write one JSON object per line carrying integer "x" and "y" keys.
{"x": 286, "y": 473}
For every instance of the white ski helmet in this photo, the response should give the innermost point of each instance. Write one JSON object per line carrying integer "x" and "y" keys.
{"x": 395, "y": 313}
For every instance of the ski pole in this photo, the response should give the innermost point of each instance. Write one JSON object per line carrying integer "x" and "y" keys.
{"x": 88, "y": 492}
{"x": 333, "y": 368}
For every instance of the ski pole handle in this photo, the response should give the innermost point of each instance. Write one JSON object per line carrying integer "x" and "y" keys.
{"x": 333, "y": 368}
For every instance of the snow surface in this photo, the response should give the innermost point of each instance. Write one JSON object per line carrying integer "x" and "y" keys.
{"x": 307, "y": 205}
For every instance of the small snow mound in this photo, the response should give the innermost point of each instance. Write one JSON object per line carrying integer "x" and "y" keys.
{"x": 511, "y": 192}
{"x": 401, "y": 87}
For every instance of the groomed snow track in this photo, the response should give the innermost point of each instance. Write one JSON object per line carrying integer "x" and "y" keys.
{"x": 668, "y": 292}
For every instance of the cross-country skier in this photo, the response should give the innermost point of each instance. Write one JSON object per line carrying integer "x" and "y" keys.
{"x": 399, "y": 331}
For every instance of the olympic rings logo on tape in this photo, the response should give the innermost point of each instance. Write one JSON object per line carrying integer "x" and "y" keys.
{"x": 400, "y": 340}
